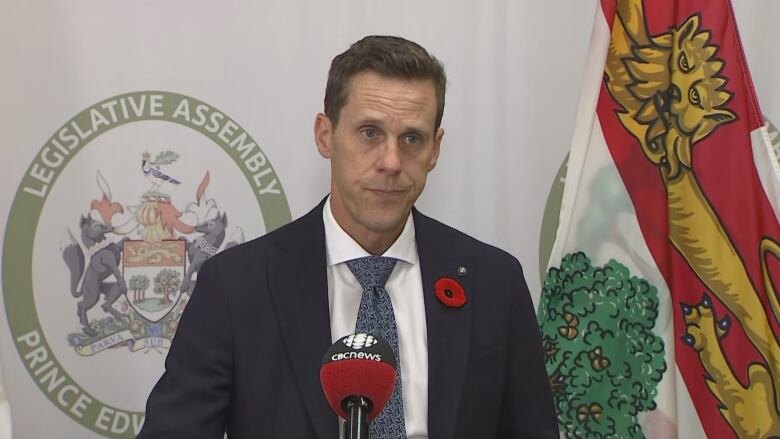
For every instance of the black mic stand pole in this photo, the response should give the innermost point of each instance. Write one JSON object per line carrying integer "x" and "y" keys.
{"x": 357, "y": 408}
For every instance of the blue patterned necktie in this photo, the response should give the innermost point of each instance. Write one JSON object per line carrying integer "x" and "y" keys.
{"x": 376, "y": 317}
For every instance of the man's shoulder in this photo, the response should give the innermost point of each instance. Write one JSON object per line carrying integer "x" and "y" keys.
{"x": 275, "y": 244}
{"x": 437, "y": 233}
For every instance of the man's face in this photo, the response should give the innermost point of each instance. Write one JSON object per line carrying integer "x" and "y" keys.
{"x": 380, "y": 153}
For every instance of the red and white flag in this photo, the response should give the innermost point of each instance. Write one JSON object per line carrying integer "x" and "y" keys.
{"x": 659, "y": 314}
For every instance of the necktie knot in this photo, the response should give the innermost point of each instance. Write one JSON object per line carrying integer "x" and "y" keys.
{"x": 372, "y": 271}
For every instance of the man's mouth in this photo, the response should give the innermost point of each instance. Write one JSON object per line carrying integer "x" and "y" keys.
{"x": 386, "y": 192}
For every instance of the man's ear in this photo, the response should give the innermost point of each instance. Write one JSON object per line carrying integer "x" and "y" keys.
{"x": 323, "y": 132}
{"x": 436, "y": 148}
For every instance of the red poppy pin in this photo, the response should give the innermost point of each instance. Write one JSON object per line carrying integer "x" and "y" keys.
{"x": 450, "y": 292}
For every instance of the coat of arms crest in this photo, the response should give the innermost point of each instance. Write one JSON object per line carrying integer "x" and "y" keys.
{"x": 141, "y": 260}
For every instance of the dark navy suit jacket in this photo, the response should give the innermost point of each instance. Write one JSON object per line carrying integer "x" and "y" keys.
{"x": 247, "y": 353}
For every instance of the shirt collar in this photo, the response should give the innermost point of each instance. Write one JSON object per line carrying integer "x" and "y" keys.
{"x": 340, "y": 247}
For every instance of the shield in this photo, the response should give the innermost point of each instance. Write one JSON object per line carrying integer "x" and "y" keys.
{"x": 154, "y": 271}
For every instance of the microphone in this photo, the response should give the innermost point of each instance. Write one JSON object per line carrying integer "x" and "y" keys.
{"x": 357, "y": 375}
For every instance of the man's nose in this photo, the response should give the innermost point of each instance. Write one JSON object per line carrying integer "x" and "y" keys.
{"x": 390, "y": 157}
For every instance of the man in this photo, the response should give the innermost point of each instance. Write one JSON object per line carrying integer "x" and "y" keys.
{"x": 248, "y": 350}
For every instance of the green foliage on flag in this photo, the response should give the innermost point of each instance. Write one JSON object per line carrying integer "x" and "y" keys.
{"x": 602, "y": 356}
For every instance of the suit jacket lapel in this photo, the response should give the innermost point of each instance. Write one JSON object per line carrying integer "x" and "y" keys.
{"x": 299, "y": 290}
{"x": 448, "y": 328}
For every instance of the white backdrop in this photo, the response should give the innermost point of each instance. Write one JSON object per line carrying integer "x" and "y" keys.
{"x": 514, "y": 69}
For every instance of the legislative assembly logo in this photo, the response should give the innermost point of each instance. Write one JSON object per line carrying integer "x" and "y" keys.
{"x": 105, "y": 238}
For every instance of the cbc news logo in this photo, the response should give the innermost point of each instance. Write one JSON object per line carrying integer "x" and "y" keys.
{"x": 360, "y": 341}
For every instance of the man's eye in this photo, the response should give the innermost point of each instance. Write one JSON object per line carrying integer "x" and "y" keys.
{"x": 368, "y": 133}
{"x": 412, "y": 139}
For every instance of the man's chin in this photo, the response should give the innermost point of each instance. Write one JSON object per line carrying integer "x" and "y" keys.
{"x": 384, "y": 223}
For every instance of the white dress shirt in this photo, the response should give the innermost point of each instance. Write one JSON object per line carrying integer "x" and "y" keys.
{"x": 406, "y": 293}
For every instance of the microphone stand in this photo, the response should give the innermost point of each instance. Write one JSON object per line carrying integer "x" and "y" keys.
{"x": 357, "y": 408}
